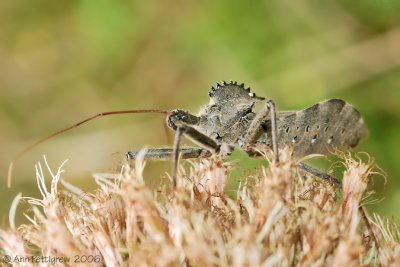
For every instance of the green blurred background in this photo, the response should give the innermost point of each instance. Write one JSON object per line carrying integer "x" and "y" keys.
{"x": 62, "y": 61}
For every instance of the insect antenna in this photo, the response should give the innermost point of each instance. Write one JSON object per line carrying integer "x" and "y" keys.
{"x": 103, "y": 114}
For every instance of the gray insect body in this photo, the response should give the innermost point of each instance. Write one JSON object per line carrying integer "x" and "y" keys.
{"x": 320, "y": 129}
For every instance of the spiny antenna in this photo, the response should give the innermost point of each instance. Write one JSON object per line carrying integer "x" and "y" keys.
{"x": 103, "y": 114}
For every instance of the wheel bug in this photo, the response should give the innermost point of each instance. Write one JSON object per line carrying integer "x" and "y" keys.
{"x": 228, "y": 122}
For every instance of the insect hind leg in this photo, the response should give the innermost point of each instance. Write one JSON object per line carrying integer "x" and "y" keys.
{"x": 338, "y": 184}
{"x": 320, "y": 174}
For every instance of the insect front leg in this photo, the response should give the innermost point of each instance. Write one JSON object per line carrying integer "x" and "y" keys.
{"x": 179, "y": 117}
{"x": 197, "y": 137}
{"x": 166, "y": 153}
{"x": 179, "y": 121}
{"x": 174, "y": 154}
{"x": 176, "y": 118}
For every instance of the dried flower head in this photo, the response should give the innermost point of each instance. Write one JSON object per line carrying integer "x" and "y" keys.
{"x": 280, "y": 217}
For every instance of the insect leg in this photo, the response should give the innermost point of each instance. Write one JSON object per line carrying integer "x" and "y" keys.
{"x": 320, "y": 174}
{"x": 209, "y": 144}
{"x": 251, "y": 134}
{"x": 338, "y": 184}
{"x": 368, "y": 225}
{"x": 166, "y": 153}
{"x": 198, "y": 137}
{"x": 175, "y": 153}
{"x": 274, "y": 130}
{"x": 180, "y": 117}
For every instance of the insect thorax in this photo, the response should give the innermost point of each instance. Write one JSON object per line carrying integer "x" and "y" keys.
{"x": 229, "y": 112}
{"x": 225, "y": 127}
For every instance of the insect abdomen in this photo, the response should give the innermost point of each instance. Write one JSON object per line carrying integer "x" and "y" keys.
{"x": 321, "y": 129}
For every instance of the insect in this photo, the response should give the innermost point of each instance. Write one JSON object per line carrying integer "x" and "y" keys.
{"x": 228, "y": 122}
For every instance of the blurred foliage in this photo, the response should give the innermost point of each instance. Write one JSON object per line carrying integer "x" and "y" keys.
{"x": 62, "y": 61}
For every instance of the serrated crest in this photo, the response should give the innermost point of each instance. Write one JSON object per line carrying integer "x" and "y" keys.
{"x": 231, "y": 91}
